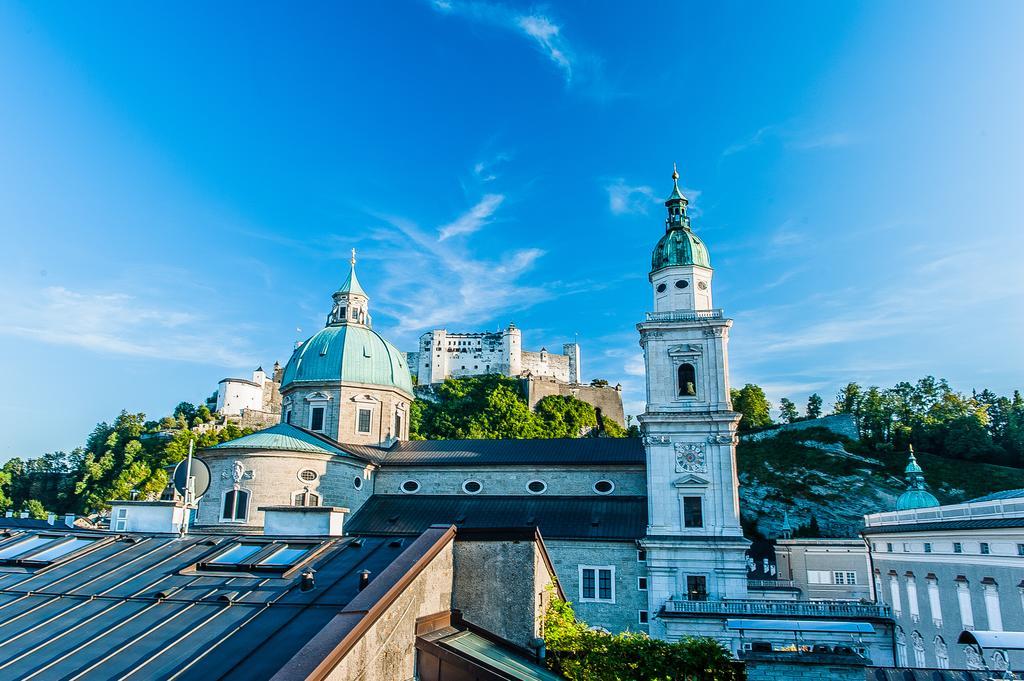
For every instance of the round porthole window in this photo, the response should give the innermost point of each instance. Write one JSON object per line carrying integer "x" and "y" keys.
{"x": 536, "y": 487}
{"x": 682, "y": 283}
{"x": 308, "y": 475}
{"x": 471, "y": 487}
{"x": 661, "y": 288}
{"x": 410, "y": 487}
{"x": 357, "y": 482}
{"x": 604, "y": 486}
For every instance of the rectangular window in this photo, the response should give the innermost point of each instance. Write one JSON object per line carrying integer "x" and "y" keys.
{"x": 641, "y": 554}
{"x": 888, "y": 547}
{"x": 851, "y": 577}
{"x": 1020, "y": 549}
{"x": 927, "y": 547}
{"x": 398, "y": 425}
{"x": 641, "y": 583}
{"x": 236, "y": 505}
{"x": 958, "y": 547}
{"x": 642, "y": 619}
{"x": 984, "y": 548}
{"x": 696, "y": 587}
{"x": 597, "y": 583}
{"x": 839, "y": 578}
{"x": 260, "y": 556}
{"x": 288, "y": 416}
{"x": 906, "y": 547}
{"x": 363, "y": 425}
{"x": 316, "y": 419}
{"x": 693, "y": 512}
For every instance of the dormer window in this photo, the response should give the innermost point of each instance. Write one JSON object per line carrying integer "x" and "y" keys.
{"x": 687, "y": 380}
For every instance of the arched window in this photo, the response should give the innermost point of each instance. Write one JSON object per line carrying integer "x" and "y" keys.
{"x": 687, "y": 380}
{"x": 941, "y": 653}
{"x": 901, "y": 647}
{"x": 236, "y": 505}
{"x": 917, "y": 641}
{"x": 305, "y": 498}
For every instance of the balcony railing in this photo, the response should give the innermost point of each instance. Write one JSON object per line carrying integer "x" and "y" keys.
{"x": 684, "y": 315}
{"x": 778, "y": 608}
{"x": 975, "y": 510}
{"x": 770, "y": 584}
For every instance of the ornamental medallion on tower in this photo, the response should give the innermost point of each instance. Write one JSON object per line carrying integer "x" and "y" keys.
{"x": 691, "y": 457}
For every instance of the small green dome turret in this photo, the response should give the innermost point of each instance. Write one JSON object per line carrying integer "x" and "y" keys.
{"x": 917, "y": 494}
{"x": 679, "y": 245}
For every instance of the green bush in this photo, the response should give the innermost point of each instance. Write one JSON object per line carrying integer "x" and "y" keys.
{"x": 582, "y": 654}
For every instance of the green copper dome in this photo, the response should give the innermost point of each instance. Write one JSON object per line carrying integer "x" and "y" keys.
{"x": 351, "y": 353}
{"x": 916, "y": 498}
{"x": 679, "y": 246}
{"x": 917, "y": 494}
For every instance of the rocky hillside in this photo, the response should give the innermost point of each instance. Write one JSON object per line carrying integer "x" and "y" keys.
{"x": 817, "y": 473}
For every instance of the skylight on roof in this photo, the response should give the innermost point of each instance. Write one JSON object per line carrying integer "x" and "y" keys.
{"x": 25, "y": 545}
{"x": 62, "y": 549}
{"x": 261, "y": 556}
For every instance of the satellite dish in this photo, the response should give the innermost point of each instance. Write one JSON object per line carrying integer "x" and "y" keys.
{"x": 200, "y": 476}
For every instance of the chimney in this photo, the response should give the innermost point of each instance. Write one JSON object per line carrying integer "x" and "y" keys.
{"x": 308, "y": 582}
{"x": 9, "y": 514}
{"x": 157, "y": 517}
{"x": 24, "y": 514}
{"x": 303, "y": 521}
{"x": 364, "y": 579}
{"x": 69, "y": 519}
{"x": 51, "y": 518}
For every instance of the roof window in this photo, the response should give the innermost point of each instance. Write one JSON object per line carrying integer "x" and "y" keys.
{"x": 42, "y": 549}
{"x": 253, "y": 556}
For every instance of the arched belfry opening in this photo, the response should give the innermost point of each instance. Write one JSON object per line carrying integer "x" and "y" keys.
{"x": 687, "y": 380}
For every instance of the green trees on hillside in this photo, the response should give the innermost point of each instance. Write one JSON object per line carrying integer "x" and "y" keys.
{"x": 120, "y": 460}
{"x": 751, "y": 402}
{"x": 494, "y": 407}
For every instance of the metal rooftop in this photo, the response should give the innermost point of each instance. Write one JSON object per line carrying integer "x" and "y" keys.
{"x": 592, "y": 451}
{"x": 602, "y": 518}
{"x": 140, "y": 607}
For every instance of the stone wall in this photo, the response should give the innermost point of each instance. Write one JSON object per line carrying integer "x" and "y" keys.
{"x": 500, "y": 586}
{"x": 272, "y": 479}
{"x": 512, "y": 480}
{"x": 342, "y": 404}
{"x": 606, "y": 398}
{"x": 841, "y": 424}
{"x": 803, "y": 667}
{"x": 387, "y": 651}
{"x": 544, "y": 363}
{"x": 624, "y": 614}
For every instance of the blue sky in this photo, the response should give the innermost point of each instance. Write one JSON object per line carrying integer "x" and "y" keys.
{"x": 181, "y": 184}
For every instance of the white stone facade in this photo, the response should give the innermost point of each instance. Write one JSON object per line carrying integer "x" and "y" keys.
{"x": 236, "y": 396}
{"x": 443, "y": 355}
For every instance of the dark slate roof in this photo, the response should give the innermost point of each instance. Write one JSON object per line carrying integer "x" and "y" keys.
{"x": 1005, "y": 494}
{"x": 601, "y": 518}
{"x": 589, "y": 451}
{"x": 98, "y": 614}
{"x": 975, "y": 524}
{"x": 33, "y": 523}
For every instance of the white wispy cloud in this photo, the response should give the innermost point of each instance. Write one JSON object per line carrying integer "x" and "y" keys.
{"x": 120, "y": 323}
{"x": 624, "y": 198}
{"x": 545, "y": 34}
{"x": 430, "y": 282}
{"x": 473, "y": 219}
{"x": 485, "y": 170}
{"x": 579, "y": 68}
{"x": 799, "y": 140}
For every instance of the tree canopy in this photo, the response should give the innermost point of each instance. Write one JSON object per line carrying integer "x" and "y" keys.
{"x": 120, "y": 460}
{"x": 494, "y": 407}
{"x": 751, "y": 402}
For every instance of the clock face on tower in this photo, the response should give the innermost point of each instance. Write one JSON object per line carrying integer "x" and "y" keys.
{"x": 702, "y": 285}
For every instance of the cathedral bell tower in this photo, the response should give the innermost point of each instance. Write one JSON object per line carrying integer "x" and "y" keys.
{"x": 695, "y": 546}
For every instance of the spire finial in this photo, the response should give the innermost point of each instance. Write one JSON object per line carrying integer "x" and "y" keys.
{"x": 675, "y": 172}
{"x": 353, "y": 260}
